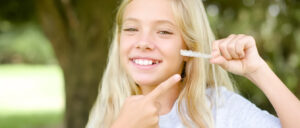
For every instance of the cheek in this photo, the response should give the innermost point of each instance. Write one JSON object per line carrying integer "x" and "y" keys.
{"x": 172, "y": 47}
{"x": 124, "y": 46}
{"x": 126, "y": 43}
{"x": 172, "y": 52}
{"x": 123, "y": 50}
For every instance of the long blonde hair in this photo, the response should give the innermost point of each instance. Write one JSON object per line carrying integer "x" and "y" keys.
{"x": 193, "y": 104}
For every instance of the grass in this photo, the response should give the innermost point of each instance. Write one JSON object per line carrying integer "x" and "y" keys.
{"x": 32, "y": 120}
{"x": 31, "y": 96}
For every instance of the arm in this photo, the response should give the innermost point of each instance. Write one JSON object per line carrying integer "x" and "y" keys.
{"x": 238, "y": 54}
{"x": 286, "y": 105}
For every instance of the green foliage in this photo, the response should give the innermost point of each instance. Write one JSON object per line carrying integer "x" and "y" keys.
{"x": 17, "y": 11}
{"x": 21, "y": 40}
{"x": 24, "y": 44}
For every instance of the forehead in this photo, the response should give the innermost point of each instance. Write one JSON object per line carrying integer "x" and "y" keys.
{"x": 149, "y": 11}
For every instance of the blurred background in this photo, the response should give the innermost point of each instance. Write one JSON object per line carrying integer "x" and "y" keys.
{"x": 53, "y": 52}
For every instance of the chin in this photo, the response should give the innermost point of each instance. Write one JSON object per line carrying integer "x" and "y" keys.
{"x": 145, "y": 83}
{"x": 149, "y": 81}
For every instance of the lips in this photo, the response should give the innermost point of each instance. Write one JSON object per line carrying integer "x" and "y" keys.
{"x": 145, "y": 61}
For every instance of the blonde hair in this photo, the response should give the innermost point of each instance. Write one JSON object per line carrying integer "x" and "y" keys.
{"x": 193, "y": 104}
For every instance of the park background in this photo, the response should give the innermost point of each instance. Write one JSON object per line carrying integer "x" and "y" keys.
{"x": 53, "y": 52}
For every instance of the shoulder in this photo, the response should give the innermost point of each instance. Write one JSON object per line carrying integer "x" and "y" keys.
{"x": 235, "y": 110}
{"x": 227, "y": 97}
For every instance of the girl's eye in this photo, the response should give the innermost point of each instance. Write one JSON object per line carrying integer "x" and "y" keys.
{"x": 130, "y": 29}
{"x": 165, "y": 32}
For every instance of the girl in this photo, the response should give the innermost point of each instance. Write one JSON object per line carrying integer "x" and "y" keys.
{"x": 147, "y": 83}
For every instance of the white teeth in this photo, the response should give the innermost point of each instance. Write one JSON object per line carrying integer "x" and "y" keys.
{"x": 148, "y": 62}
{"x": 143, "y": 62}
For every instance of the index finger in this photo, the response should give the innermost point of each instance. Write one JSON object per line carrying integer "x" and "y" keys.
{"x": 164, "y": 86}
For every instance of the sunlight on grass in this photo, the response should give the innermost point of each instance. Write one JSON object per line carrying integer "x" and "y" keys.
{"x": 31, "y": 94}
{"x": 33, "y": 120}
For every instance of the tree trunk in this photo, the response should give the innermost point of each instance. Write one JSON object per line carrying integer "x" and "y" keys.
{"x": 79, "y": 32}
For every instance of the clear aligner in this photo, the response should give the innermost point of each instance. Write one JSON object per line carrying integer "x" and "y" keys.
{"x": 191, "y": 53}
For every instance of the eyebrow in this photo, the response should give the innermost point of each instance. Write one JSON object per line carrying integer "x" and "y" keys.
{"x": 156, "y": 21}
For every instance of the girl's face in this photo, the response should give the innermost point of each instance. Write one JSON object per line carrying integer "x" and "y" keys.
{"x": 150, "y": 42}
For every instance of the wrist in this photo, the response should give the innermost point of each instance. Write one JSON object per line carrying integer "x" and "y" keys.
{"x": 261, "y": 72}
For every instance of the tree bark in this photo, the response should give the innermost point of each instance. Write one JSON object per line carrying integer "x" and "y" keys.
{"x": 79, "y": 32}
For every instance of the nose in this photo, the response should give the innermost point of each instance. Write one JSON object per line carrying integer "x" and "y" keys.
{"x": 145, "y": 40}
{"x": 144, "y": 45}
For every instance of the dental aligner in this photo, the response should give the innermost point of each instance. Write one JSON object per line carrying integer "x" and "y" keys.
{"x": 191, "y": 53}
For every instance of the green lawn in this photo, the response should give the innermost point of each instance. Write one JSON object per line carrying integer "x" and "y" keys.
{"x": 31, "y": 96}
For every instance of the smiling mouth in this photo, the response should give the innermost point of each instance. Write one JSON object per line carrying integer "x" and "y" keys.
{"x": 145, "y": 61}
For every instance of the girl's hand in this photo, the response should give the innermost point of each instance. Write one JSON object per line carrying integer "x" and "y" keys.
{"x": 142, "y": 111}
{"x": 237, "y": 54}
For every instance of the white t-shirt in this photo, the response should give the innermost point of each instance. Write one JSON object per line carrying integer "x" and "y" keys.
{"x": 235, "y": 112}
